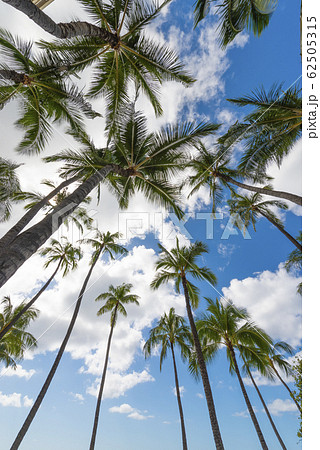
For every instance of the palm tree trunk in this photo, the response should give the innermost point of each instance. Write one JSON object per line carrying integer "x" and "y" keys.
{"x": 283, "y": 231}
{"x": 29, "y": 215}
{"x": 55, "y": 365}
{"x": 62, "y": 30}
{"x": 287, "y": 387}
{"x": 183, "y": 430}
{"x": 9, "y": 325}
{"x": 279, "y": 194}
{"x": 103, "y": 379}
{"x": 28, "y": 242}
{"x": 248, "y": 403}
{"x": 267, "y": 411}
{"x": 12, "y": 75}
{"x": 203, "y": 372}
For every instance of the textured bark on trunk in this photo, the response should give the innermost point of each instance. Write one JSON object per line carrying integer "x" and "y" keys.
{"x": 248, "y": 403}
{"x": 12, "y": 75}
{"x": 279, "y": 194}
{"x": 267, "y": 411}
{"x": 183, "y": 429}
{"x": 31, "y": 213}
{"x": 203, "y": 372}
{"x": 55, "y": 365}
{"x": 103, "y": 379}
{"x": 287, "y": 387}
{"x": 28, "y": 242}
{"x": 62, "y": 30}
{"x": 8, "y": 327}
{"x": 283, "y": 231}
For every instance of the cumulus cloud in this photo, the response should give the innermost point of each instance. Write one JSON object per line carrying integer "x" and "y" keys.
{"x": 19, "y": 371}
{"x": 14, "y": 400}
{"x": 181, "y": 389}
{"x": 131, "y": 412}
{"x": 269, "y": 297}
{"x": 279, "y": 406}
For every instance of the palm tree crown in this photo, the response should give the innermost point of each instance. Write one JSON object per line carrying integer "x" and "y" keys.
{"x": 181, "y": 261}
{"x": 9, "y": 186}
{"x": 130, "y": 56}
{"x": 43, "y": 93}
{"x": 17, "y": 340}
{"x": 171, "y": 329}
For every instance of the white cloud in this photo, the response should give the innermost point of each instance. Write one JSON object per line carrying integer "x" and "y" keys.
{"x": 269, "y": 297}
{"x": 118, "y": 384}
{"x": 77, "y": 397}
{"x": 279, "y": 406}
{"x": 18, "y": 372}
{"x": 181, "y": 389}
{"x": 245, "y": 414}
{"x": 200, "y": 395}
{"x": 131, "y": 412}
{"x": 14, "y": 400}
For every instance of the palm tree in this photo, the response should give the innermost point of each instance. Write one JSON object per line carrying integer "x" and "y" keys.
{"x": 14, "y": 231}
{"x": 175, "y": 265}
{"x": 17, "y": 341}
{"x": 135, "y": 161}
{"x": 212, "y": 168}
{"x": 251, "y": 207}
{"x": 277, "y": 360}
{"x": 254, "y": 358}
{"x": 66, "y": 256}
{"x": 222, "y": 326}
{"x": 102, "y": 243}
{"x": 171, "y": 330}
{"x": 270, "y": 131}
{"x": 9, "y": 186}
{"x": 294, "y": 261}
{"x": 116, "y": 299}
{"x": 43, "y": 93}
{"x": 79, "y": 217}
{"x": 120, "y": 51}
{"x": 234, "y": 17}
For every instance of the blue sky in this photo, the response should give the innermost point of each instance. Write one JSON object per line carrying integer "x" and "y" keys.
{"x": 248, "y": 271}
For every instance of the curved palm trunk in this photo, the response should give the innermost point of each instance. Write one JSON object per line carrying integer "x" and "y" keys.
{"x": 103, "y": 379}
{"x": 9, "y": 325}
{"x": 28, "y": 242}
{"x": 267, "y": 411}
{"x": 248, "y": 403}
{"x": 62, "y": 30}
{"x": 203, "y": 372}
{"x": 29, "y": 215}
{"x": 279, "y": 194}
{"x": 286, "y": 386}
{"x": 55, "y": 365}
{"x": 183, "y": 429}
{"x": 283, "y": 231}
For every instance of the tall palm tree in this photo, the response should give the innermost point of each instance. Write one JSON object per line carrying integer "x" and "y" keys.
{"x": 270, "y": 130}
{"x": 18, "y": 340}
{"x": 294, "y": 261}
{"x": 14, "y": 231}
{"x": 79, "y": 217}
{"x": 235, "y": 16}
{"x": 277, "y": 360}
{"x": 254, "y": 358}
{"x": 213, "y": 169}
{"x": 170, "y": 331}
{"x": 120, "y": 51}
{"x": 175, "y": 265}
{"x": 44, "y": 95}
{"x": 9, "y": 186}
{"x": 102, "y": 243}
{"x": 251, "y": 207}
{"x": 135, "y": 161}
{"x": 66, "y": 256}
{"x": 116, "y": 299}
{"x": 222, "y": 326}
